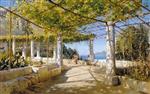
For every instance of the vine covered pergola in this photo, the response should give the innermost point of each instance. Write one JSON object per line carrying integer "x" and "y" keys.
{"x": 23, "y": 30}
{"x": 63, "y": 18}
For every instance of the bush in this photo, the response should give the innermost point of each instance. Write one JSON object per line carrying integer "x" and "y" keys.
{"x": 8, "y": 61}
{"x": 132, "y": 43}
{"x": 140, "y": 72}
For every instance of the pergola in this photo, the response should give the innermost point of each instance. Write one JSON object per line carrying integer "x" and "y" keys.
{"x": 108, "y": 25}
{"x": 32, "y": 39}
{"x": 36, "y": 35}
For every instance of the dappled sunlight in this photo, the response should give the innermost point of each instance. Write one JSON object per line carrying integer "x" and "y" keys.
{"x": 78, "y": 80}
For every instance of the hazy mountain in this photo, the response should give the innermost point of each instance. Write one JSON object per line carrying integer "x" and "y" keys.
{"x": 100, "y": 55}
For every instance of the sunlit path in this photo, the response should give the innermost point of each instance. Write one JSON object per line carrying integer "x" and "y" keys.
{"x": 78, "y": 80}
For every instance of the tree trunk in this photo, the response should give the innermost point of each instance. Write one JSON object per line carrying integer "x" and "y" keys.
{"x": 59, "y": 50}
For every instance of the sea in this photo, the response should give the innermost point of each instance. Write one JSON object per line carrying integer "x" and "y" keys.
{"x": 97, "y": 57}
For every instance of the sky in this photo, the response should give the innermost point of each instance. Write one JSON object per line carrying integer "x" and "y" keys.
{"x": 7, "y": 2}
{"x": 83, "y": 47}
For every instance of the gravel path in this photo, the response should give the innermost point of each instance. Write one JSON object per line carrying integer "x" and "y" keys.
{"x": 77, "y": 80}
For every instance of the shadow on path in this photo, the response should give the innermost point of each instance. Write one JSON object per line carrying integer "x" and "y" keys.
{"x": 77, "y": 80}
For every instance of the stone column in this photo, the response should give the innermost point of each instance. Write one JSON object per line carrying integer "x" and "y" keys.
{"x": 54, "y": 53}
{"x": 59, "y": 50}
{"x": 32, "y": 49}
{"x": 91, "y": 55}
{"x": 24, "y": 51}
{"x": 91, "y": 50}
{"x": 148, "y": 58}
{"x": 38, "y": 50}
{"x": 14, "y": 46}
{"x": 110, "y": 46}
{"x": 111, "y": 78}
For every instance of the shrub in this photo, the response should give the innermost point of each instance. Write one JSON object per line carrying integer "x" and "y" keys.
{"x": 141, "y": 71}
{"x": 8, "y": 61}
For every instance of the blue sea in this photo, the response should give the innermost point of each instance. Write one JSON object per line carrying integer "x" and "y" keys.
{"x": 97, "y": 57}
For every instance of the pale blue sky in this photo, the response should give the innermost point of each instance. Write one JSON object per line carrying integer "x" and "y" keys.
{"x": 7, "y": 2}
{"x": 83, "y": 47}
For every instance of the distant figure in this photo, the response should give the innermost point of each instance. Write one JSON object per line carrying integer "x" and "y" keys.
{"x": 75, "y": 59}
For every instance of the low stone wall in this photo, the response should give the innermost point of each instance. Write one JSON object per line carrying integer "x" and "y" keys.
{"x": 18, "y": 84}
{"x": 140, "y": 86}
{"x": 119, "y": 64}
{"x": 14, "y": 73}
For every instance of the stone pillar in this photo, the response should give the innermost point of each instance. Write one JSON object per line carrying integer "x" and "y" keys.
{"x": 54, "y": 53}
{"x": 59, "y": 50}
{"x": 110, "y": 46}
{"x": 32, "y": 49}
{"x": 24, "y": 51}
{"x": 38, "y": 50}
{"x": 14, "y": 46}
{"x": 111, "y": 78}
{"x": 91, "y": 50}
{"x": 148, "y": 58}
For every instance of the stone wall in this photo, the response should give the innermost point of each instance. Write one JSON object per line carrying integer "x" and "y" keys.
{"x": 119, "y": 64}
{"x": 14, "y": 73}
{"x": 20, "y": 82}
{"x": 141, "y": 86}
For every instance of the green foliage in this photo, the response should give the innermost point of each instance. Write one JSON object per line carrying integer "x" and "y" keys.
{"x": 113, "y": 10}
{"x": 45, "y": 14}
{"x": 116, "y": 10}
{"x": 67, "y": 15}
{"x": 141, "y": 71}
{"x": 132, "y": 43}
{"x": 8, "y": 61}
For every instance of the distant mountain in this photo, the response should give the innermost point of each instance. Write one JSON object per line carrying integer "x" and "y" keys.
{"x": 103, "y": 53}
{"x": 100, "y": 55}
